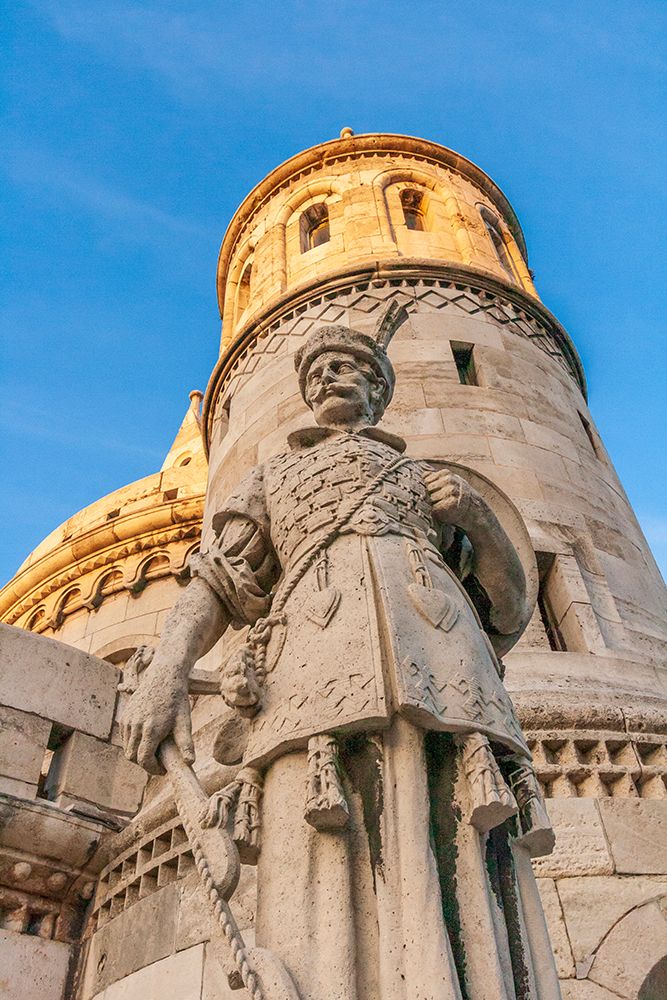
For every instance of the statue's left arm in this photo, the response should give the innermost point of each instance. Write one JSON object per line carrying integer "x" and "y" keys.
{"x": 496, "y": 567}
{"x": 230, "y": 585}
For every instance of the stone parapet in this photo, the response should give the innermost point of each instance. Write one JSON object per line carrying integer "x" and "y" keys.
{"x": 54, "y": 681}
{"x": 64, "y": 788}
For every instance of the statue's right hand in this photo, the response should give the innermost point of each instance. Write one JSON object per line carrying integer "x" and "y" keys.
{"x": 159, "y": 708}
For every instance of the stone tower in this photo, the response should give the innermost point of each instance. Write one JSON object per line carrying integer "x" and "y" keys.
{"x": 487, "y": 378}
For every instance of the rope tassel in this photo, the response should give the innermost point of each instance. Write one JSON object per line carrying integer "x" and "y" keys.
{"x": 326, "y": 808}
{"x": 491, "y": 801}
{"x": 535, "y": 830}
{"x": 246, "y": 817}
{"x": 240, "y": 799}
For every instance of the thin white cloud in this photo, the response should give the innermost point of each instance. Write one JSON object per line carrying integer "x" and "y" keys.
{"x": 189, "y": 49}
{"x": 43, "y": 427}
{"x": 38, "y": 168}
{"x": 219, "y": 51}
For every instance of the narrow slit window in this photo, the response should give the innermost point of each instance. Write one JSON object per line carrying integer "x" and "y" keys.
{"x": 412, "y": 203}
{"x": 465, "y": 363}
{"x": 590, "y": 434}
{"x": 244, "y": 289}
{"x": 549, "y": 619}
{"x": 495, "y": 235}
{"x": 553, "y": 633}
{"x": 314, "y": 227}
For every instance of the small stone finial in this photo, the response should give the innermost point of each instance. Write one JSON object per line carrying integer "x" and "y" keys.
{"x": 196, "y": 397}
{"x": 346, "y": 133}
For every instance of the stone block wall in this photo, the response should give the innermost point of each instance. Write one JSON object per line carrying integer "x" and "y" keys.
{"x": 65, "y": 786}
{"x": 124, "y": 621}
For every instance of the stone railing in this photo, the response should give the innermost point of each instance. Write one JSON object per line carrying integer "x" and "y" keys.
{"x": 65, "y": 786}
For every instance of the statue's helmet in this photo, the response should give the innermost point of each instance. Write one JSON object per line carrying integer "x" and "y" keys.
{"x": 344, "y": 340}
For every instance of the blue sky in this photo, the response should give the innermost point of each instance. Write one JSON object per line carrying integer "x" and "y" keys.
{"x": 134, "y": 130}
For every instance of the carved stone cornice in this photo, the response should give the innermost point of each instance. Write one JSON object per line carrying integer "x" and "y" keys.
{"x": 407, "y": 272}
{"x": 44, "y": 895}
{"x": 123, "y": 543}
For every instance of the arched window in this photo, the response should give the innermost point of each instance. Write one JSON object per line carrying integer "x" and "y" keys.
{"x": 314, "y": 227}
{"x": 69, "y": 600}
{"x": 67, "y": 604}
{"x": 110, "y": 583}
{"x": 493, "y": 229}
{"x": 244, "y": 290}
{"x": 156, "y": 566}
{"x": 36, "y": 619}
{"x": 412, "y": 203}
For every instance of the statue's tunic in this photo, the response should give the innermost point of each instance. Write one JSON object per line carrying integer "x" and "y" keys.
{"x": 378, "y": 624}
{"x": 381, "y": 647}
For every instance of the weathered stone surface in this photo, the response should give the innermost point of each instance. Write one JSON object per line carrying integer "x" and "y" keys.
{"x": 581, "y": 847}
{"x": 592, "y": 906}
{"x": 637, "y": 835}
{"x": 85, "y": 768}
{"x": 32, "y": 968}
{"x": 579, "y": 690}
{"x": 178, "y": 977}
{"x": 584, "y": 989}
{"x": 110, "y": 612}
{"x": 21, "y": 789}
{"x": 557, "y": 929}
{"x": 215, "y": 985}
{"x": 56, "y": 681}
{"x": 631, "y": 950}
{"x": 124, "y": 633}
{"x": 56, "y": 834}
{"x": 23, "y": 740}
{"x": 142, "y": 935}
{"x": 195, "y": 920}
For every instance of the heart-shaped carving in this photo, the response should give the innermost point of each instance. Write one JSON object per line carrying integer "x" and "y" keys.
{"x": 320, "y": 605}
{"x": 433, "y": 605}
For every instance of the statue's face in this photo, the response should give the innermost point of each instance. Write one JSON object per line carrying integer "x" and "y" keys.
{"x": 343, "y": 391}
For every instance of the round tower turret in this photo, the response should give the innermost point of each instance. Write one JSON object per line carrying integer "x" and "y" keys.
{"x": 486, "y": 377}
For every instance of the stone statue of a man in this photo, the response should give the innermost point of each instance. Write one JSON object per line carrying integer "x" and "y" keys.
{"x": 396, "y": 784}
